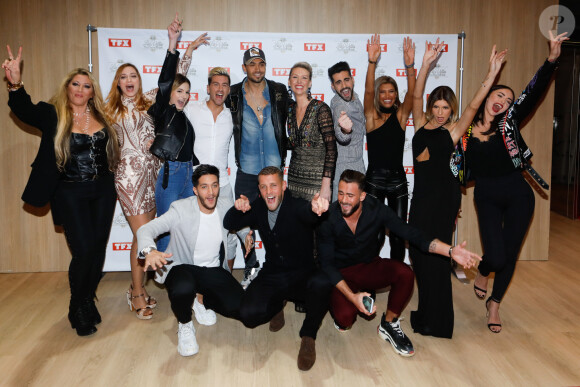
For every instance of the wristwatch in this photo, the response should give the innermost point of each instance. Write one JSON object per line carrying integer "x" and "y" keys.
{"x": 143, "y": 253}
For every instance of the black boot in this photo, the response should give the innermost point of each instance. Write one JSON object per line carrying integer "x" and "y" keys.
{"x": 81, "y": 318}
{"x": 95, "y": 315}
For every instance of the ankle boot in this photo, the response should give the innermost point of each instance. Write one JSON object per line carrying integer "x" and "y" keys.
{"x": 82, "y": 319}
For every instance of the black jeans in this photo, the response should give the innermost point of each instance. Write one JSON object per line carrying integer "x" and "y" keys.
{"x": 247, "y": 185}
{"x": 265, "y": 297}
{"x": 221, "y": 292}
{"x": 391, "y": 184}
{"x": 505, "y": 206}
{"x": 86, "y": 210}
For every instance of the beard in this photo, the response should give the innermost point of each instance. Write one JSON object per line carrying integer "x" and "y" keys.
{"x": 343, "y": 97}
{"x": 205, "y": 204}
{"x": 353, "y": 209}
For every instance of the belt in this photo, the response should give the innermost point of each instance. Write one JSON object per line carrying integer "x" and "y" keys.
{"x": 536, "y": 176}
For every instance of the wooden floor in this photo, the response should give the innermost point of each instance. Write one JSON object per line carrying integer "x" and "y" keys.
{"x": 539, "y": 345}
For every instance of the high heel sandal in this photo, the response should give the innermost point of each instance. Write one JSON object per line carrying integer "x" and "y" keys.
{"x": 151, "y": 301}
{"x": 141, "y": 313}
{"x": 490, "y": 325}
{"x": 478, "y": 289}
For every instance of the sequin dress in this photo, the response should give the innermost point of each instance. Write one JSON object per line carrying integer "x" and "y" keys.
{"x": 313, "y": 146}
{"x": 136, "y": 174}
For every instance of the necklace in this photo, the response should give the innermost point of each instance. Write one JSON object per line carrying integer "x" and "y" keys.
{"x": 258, "y": 107}
{"x": 77, "y": 120}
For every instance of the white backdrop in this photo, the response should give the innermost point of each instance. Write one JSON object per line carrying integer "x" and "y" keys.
{"x": 146, "y": 50}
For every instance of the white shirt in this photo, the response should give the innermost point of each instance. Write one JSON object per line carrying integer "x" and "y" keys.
{"x": 212, "y": 139}
{"x": 209, "y": 240}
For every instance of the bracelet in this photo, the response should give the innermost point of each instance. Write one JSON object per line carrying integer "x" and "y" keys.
{"x": 15, "y": 86}
{"x": 370, "y": 61}
{"x": 451, "y": 251}
{"x": 143, "y": 253}
{"x": 410, "y": 66}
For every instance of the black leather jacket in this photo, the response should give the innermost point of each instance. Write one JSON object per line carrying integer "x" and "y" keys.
{"x": 171, "y": 125}
{"x": 279, "y": 102}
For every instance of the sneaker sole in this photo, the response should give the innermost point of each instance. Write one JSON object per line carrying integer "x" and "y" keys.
{"x": 187, "y": 354}
{"x": 388, "y": 338}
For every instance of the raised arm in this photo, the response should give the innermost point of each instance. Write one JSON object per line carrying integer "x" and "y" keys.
{"x": 495, "y": 63}
{"x": 428, "y": 58}
{"x": 185, "y": 62}
{"x": 374, "y": 50}
{"x": 532, "y": 94}
{"x": 409, "y": 60}
{"x": 36, "y": 115}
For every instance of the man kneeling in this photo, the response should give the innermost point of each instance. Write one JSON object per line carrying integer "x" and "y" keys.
{"x": 194, "y": 260}
{"x": 348, "y": 247}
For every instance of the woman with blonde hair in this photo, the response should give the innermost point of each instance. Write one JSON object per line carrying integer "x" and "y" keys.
{"x": 73, "y": 170}
{"x": 136, "y": 174}
{"x": 310, "y": 137}
{"x": 436, "y": 194}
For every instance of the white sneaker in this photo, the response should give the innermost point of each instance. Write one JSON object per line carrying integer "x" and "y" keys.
{"x": 186, "y": 342}
{"x": 202, "y": 315}
{"x": 249, "y": 275}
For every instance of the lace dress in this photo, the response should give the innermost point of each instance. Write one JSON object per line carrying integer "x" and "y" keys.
{"x": 313, "y": 146}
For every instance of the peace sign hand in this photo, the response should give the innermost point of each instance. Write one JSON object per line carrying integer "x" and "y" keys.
{"x": 11, "y": 66}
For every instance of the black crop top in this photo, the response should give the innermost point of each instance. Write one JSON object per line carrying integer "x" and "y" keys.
{"x": 385, "y": 145}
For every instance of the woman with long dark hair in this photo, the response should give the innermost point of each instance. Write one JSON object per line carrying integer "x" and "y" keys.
{"x": 386, "y": 121}
{"x": 436, "y": 194}
{"x": 73, "y": 170}
{"x": 174, "y": 135}
{"x": 495, "y": 155}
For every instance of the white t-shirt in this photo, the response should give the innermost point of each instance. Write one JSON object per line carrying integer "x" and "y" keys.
{"x": 209, "y": 240}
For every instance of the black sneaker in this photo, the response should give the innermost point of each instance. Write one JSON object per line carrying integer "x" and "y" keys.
{"x": 392, "y": 332}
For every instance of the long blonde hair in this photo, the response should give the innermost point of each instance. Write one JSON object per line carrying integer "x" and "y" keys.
{"x": 64, "y": 115}
{"x": 114, "y": 107}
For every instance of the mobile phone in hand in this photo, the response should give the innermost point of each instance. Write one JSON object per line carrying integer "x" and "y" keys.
{"x": 368, "y": 303}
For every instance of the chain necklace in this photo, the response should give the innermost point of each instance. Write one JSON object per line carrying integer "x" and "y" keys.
{"x": 258, "y": 107}
{"x": 77, "y": 120}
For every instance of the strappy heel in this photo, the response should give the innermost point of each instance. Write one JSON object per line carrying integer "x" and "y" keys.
{"x": 142, "y": 313}
{"x": 478, "y": 289}
{"x": 151, "y": 301}
{"x": 490, "y": 325}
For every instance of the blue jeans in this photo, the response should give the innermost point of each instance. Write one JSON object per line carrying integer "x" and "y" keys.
{"x": 179, "y": 187}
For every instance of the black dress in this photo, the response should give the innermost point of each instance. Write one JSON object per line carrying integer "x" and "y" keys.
{"x": 434, "y": 206}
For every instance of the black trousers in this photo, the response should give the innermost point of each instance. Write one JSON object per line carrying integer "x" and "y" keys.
{"x": 86, "y": 211}
{"x": 265, "y": 297}
{"x": 221, "y": 292}
{"x": 505, "y": 206}
{"x": 391, "y": 184}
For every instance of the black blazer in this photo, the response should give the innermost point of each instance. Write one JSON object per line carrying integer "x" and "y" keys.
{"x": 290, "y": 245}
{"x": 44, "y": 177}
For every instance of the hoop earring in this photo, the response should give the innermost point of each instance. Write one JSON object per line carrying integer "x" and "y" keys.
{"x": 289, "y": 92}
{"x": 309, "y": 94}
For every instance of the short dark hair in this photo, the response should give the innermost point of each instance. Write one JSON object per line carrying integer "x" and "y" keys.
{"x": 202, "y": 170}
{"x": 352, "y": 176}
{"x": 271, "y": 171}
{"x": 337, "y": 68}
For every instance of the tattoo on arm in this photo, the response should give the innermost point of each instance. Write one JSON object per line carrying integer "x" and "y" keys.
{"x": 433, "y": 245}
